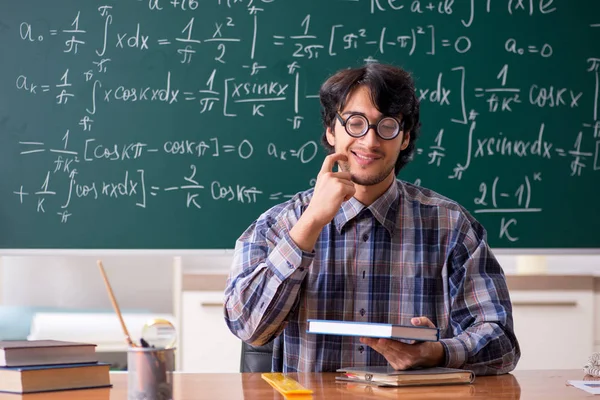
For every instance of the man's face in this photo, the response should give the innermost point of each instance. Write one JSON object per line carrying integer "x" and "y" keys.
{"x": 371, "y": 159}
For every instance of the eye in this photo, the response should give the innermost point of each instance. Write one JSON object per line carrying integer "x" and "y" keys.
{"x": 356, "y": 123}
{"x": 388, "y": 124}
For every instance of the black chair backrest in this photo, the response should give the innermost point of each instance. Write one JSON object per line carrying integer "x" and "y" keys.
{"x": 256, "y": 358}
{"x": 261, "y": 358}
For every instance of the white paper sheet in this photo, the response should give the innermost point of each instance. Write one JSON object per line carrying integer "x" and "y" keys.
{"x": 592, "y": 387}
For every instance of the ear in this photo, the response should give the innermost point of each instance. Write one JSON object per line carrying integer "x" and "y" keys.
{"x": 405, "y": 141}
{"x": 330, "y": 137}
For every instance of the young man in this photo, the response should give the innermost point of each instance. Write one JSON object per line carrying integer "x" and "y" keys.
{"x": 364, "y": 246}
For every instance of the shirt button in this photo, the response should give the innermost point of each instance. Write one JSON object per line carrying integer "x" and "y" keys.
{"x": 362, "y": 312}
{"x": 290, "y": 265}
{"x": 361, "y": 349}
{"x": 365, "y": 237}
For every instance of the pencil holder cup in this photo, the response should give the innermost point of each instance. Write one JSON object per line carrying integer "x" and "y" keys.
{"x": 150, "y": 373}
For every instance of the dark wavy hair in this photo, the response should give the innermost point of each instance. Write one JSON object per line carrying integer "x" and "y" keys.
{"x": 392, "y": 92}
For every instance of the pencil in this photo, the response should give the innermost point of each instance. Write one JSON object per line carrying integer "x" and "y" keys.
{"x": 115, "y": 305}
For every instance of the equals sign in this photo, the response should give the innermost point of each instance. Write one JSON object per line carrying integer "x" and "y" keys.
{"x": 154, "y": 188}
{"x": 419, "y": 151}
{"x": 532, "y": 49}
{"x": 278, "y": 38}
{"x": 189, "y": 95}
{"x": 228, "y": 148}
{"x": 293, "y": 153}
{"x": 45, "y": 88}
{"x": 163, "y": 42}
{"x": 446, "y": 43}
{"x": 32, "y": 144}
{"x": 560, "y": 152}
{"x": 479, "y": 92}
{"x": 53, "y": 32}
{"x": 275, "y": 196}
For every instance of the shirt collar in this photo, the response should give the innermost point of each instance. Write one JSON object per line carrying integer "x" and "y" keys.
{"x": 384, "y": 209}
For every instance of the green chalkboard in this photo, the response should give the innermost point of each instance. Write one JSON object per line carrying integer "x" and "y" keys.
{"x": 155, "y": 124}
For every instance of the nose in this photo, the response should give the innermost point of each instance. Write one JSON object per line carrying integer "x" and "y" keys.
{"x": 371, "y": 138}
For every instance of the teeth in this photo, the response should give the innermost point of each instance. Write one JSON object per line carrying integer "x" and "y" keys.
{"x": 364, "y": 158}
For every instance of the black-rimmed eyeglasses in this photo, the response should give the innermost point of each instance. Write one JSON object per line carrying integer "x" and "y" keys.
{"x": 357, "y": 125}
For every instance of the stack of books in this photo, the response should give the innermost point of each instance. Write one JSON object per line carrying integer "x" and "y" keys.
{"x": 50, "y": 365}
{"x": 386, "y": 375}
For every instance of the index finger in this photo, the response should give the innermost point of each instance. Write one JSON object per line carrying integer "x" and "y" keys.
{"x": 330, "y": 161}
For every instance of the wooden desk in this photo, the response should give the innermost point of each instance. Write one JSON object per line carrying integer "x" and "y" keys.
{"x": 524, "y": 385}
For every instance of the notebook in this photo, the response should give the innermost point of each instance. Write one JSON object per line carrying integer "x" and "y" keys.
{"x": 387, "y": 376}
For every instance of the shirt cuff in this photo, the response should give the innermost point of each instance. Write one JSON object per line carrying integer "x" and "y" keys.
{"x": 456, "y": 353}
{"x": 288, "y": 259}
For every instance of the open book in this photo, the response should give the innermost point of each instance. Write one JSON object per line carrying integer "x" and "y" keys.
{"x": 370, "y": 329}
{"x": 387, "y": 376}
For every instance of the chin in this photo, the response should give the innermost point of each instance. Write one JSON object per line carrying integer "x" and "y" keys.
{"x": 367, "y": 180}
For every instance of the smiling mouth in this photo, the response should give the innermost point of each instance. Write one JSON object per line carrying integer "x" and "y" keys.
{"x": 364, "y": 158}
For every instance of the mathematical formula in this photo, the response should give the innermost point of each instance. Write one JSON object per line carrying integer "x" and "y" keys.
{"x": 216, "y": 64}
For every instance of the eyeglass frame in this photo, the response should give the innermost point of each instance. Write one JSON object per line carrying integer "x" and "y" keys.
{"x": 344, "y": 123}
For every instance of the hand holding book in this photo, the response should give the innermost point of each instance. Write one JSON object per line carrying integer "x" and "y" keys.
{"x": 424, "y": 349}
{"x": 410, "y": 364}
{"x": 402, "y": 356}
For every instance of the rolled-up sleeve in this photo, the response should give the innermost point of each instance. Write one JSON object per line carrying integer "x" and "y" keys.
{"x": 480, "y": 333}
{"x": 265, "y": 278}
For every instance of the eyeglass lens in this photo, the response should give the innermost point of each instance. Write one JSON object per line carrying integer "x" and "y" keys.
{"x": 358, "y": 125}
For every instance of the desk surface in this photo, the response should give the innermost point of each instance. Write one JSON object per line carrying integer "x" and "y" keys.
{"x": 548, "y": 384}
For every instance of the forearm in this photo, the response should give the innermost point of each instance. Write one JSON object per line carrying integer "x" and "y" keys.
{"x": 306, "y": 232}
{"x": 485, "y": 348}
{"x": 481, "y": 324}
{"x": 435, "y": 356}
{"x": 262, "y": 290}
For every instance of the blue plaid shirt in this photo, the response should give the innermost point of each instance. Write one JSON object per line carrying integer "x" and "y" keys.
{"x": 411, "y": 253}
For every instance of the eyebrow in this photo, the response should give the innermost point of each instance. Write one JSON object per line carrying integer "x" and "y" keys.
{"x": 382, "y": 116}
{"x": 354, "y": 112}
{"x": 398, "y": 118}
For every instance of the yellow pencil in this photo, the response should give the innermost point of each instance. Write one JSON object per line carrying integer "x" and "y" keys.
{"x": 115, "y": 305}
